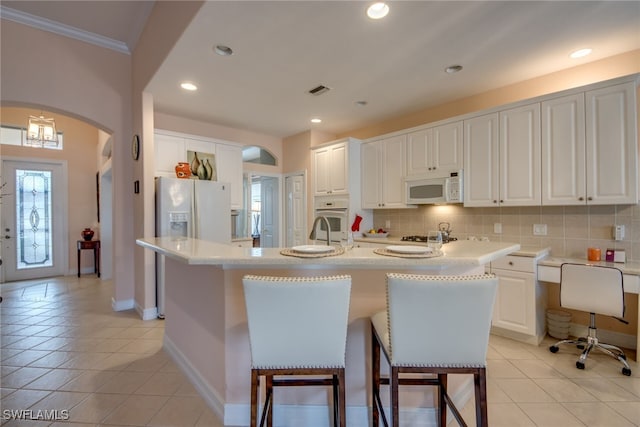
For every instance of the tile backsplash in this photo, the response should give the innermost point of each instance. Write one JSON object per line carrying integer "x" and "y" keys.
{"x": 570, "y": 229}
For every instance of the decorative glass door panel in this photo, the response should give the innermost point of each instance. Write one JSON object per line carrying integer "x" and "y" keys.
{"x": 33, "y": 214}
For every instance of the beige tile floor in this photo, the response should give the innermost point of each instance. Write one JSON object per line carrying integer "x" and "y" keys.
{"x": 63, "y": 348}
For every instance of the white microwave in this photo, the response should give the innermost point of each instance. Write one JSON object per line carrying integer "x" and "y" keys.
{"x": 443, "y": 189}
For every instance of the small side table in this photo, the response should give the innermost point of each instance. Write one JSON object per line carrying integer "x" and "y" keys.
{"x": 90, "y": 244}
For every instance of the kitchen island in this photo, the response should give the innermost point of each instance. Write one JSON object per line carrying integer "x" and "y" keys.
{"x": 206, "y": 327}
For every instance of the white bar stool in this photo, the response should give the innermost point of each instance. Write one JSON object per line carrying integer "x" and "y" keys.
{"x": 433, "y": 325}
{"x": 297, "y": 326}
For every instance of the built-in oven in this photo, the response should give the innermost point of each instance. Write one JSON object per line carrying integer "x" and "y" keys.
{"x": 336, "y": 210}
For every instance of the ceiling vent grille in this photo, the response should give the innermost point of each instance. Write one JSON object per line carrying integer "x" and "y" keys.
{"x": 319, "y": 90}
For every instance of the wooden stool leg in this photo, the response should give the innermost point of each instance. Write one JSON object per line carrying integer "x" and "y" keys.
{"x": 375, "y": 378}
{"x": 480, "y": 381}
{"x": 395, "y": 404}
{"x": 254, "y": 398}
{"x": 270, "y": 398}
{"x": 342, "y": 398}
{"x": 442, "y": 403}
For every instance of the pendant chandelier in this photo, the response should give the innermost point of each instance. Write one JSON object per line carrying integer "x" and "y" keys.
{"x": 41, "y": 132}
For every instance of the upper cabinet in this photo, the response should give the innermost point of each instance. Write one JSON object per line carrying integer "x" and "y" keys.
{"x": 229, "y": 162}
{"x": 589, "y": 148}
{"x": 331, "y": 169}
{"x": 383, "y": 171}
{"x": 171, "y": 148}
{"x": 612, "y": 149}
{"x": 435, "y": 149}
{"x": 481, "y": 161}
{"x": 502, "y": 158}
{"x": 520, "y": 156}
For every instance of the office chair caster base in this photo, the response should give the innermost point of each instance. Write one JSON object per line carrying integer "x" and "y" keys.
{"x": 554, "y": 349}
{"x": 579, "y": 365}
{"x": 626, "y": 371}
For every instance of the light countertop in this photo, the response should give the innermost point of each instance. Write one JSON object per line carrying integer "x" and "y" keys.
{"x": 200, "y": 252}
{"x": 526, "y": 251}
{"x": 631, "y": 268}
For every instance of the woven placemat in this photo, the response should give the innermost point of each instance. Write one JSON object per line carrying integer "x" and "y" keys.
{"x": 387, "y": 252}
{"x": 290, "y": 252}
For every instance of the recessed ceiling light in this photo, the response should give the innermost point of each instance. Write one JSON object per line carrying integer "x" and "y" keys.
{"x": 223, "y": 50}
{"x": 580, "y": 53}
{"x": 361, "y": 103}
{"x": 316, "y": 120}
{"x": 188, "y": 86}
{"x": 377, "y": 10}
{"x": 452, "y": 69}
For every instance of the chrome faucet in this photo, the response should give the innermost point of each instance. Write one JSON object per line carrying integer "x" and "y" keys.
{"x": 324, "y": 219}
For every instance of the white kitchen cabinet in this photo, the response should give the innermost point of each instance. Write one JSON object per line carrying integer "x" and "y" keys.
{"x": 430, "y": 151}
{"x": 589, "y": 148}
{"x": 521, "y": 301}
{"x": 481, "y": 161}
{"x": 563, "y": 151}
{"x": 611, "y": 145}
{"x": 502, "y": 160}
{"x": 199, "y": 145}
{"x": 171, "y": 148}
{"x": 168, "y": 150}
{"x": 383, "y": 171}
{"x": 330, "y": 169}
{"x": 520, "y": 157}
{"x": 229, "y": 165}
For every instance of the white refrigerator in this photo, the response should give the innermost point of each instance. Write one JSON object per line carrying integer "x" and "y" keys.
{"x": 190, "y": 208}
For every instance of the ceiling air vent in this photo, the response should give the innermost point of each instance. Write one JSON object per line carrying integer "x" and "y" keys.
{"x": 319, "y": 90}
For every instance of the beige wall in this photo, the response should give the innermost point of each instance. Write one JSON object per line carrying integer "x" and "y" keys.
{"x": 605, "y": 69}
{"x": 79, "y": 151}
{"x": 87, "y": 82}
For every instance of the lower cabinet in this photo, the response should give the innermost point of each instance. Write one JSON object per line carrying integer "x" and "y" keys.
{"x": 521, "y": 301}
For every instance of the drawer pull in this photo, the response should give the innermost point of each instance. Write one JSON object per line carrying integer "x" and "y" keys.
{"x": 510, "y": 262}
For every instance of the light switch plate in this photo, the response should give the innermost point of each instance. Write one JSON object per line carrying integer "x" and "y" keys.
{"x": 539, "y": 229}
{"x": 497, "y": 228}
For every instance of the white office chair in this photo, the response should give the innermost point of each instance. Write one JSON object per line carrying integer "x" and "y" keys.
{"x": 597, "y": 290}
{"x": 433, "y": 325}
{"x": 297, "y": 326}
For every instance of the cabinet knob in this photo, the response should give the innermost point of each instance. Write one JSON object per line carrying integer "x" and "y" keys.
{"x": 510, "y": 262}
{"x": 581, "y": 198}
{"x": 495, "y": 201}
{"x": 501, "y": 201}
{"x": 589, "y": 198}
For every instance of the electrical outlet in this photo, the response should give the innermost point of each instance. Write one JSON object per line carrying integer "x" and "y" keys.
{"x": 497, "y": 228}
{"x": 618, "y": 232}
{"x": 387, "y": 224}
{"x": 539, "y": 229}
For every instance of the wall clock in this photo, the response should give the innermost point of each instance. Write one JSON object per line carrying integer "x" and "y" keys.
{"x": 135, "y": 147}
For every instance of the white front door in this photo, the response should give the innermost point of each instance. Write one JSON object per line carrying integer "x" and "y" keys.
{"x": 34, "y": 239}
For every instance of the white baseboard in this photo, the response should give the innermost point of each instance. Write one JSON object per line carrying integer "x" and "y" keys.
{"x": 122, "y": 305}
{"x": 517, "y": 336}
{"x": 146, "y": 313}
{"x": 306, "y": 415}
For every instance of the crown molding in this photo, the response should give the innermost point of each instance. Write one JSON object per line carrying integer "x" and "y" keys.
{"x": 62, "y": 29}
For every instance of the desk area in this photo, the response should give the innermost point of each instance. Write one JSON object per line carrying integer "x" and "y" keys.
{"x": 549, "y": 271}
{"x": 90, "y": 244}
